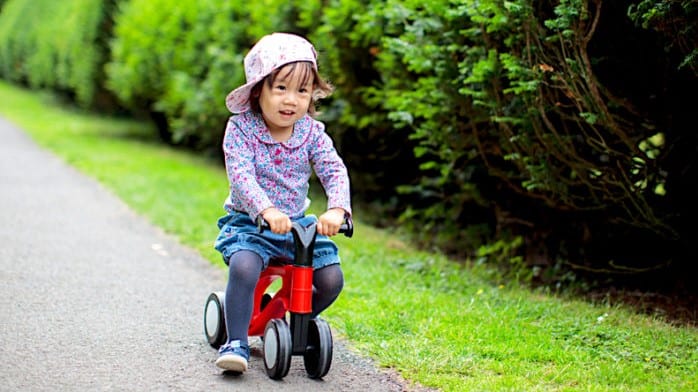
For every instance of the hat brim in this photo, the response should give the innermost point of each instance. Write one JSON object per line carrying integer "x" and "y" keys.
{"x": 238, "y": 100}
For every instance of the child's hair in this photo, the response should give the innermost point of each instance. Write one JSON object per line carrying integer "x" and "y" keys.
{"x": 321, "y": 87}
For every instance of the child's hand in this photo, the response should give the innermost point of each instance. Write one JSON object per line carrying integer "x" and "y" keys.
{"x": 279, "y": 222}
{"x": 329, "y": 222}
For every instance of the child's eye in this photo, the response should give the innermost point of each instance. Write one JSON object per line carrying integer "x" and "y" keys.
{"x": 280, "y": 87}
{"x": 306, "y": 89}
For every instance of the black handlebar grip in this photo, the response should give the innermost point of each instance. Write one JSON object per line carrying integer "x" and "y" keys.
{"x": 347, "y": 228}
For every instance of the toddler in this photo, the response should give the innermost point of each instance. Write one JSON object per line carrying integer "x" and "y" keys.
{"x": 271, "y": 144}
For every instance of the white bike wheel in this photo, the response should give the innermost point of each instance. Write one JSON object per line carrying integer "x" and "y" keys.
{"x": 214, "y": 319}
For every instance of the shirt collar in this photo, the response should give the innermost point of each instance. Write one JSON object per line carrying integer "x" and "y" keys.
{"x": 301, "y": 130}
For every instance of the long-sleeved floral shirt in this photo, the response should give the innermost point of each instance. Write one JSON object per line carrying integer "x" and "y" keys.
{"x": 265, "y": 173}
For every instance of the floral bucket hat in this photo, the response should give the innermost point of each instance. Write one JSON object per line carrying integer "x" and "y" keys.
{"x": 269, "y": 53}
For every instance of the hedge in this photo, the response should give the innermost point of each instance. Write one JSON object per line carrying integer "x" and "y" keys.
{"x": 557, "y": 121}
{"x": 178, "y": 65}
{"x": 531, "y": 133}
{"x": 57, "y": 45}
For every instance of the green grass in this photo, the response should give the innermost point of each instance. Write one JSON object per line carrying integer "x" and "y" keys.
{"x": 438, "y": 324}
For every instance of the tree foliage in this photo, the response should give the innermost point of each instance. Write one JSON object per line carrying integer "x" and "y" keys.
{"x": 177, "y": 66}
{"x": 536, "y": 132}
{"x": 529, "y": 123}
{"x": 57, "y": 45}
{"x": 677, "y": 21}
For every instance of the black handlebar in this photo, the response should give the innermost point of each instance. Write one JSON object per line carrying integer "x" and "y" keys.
{"x": 346, "y": 228}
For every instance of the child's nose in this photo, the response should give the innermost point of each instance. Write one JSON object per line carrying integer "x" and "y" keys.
{"x": 290, "y": 98}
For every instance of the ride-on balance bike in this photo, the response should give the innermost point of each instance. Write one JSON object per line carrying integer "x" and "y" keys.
{"x": 308, "y": 337}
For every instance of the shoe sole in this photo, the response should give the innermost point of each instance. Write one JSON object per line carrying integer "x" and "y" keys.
{"x": 233, "y": 363}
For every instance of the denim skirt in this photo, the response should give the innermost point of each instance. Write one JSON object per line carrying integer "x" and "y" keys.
{"x": 239, "y": 232}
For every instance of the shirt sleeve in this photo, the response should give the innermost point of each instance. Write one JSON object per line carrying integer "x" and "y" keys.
{"x": 245, "y": 192}
{"x": 330, "y": 170}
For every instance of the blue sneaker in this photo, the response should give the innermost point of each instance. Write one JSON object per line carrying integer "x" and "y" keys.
{"x": 233, "y": 356}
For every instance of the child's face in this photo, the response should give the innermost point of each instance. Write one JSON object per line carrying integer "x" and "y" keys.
{"x": 287, "y": 99}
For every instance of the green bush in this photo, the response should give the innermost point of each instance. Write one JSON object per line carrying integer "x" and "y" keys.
{"x": 378, "y": 154}
{"x": 174, "y": 64}
{"x": 557, "y": 122}
{"x": 524, "y": 121}
{"x": 677, "y": 21}
{"x": 56, "y": 45}
{"x": 180, "y": 64}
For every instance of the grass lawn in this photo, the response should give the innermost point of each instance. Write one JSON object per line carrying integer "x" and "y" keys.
{"x": 438, "y": 324}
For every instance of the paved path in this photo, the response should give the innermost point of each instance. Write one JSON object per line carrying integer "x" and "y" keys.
{"x": 93, "y": 297}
